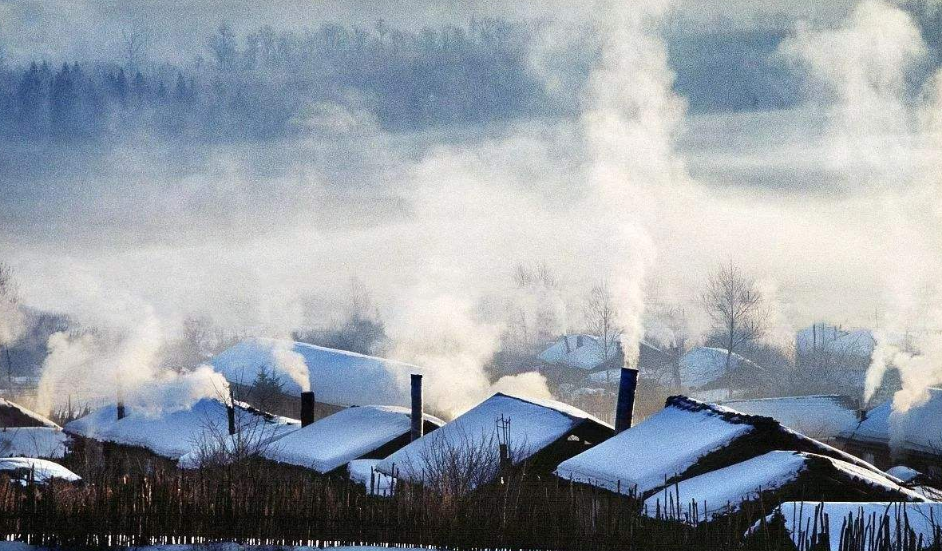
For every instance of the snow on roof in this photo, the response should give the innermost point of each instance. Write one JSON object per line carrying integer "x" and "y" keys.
{"x": 904, "y": 473}
{"x": 349, "y": 434}
{"x": 534, "y": 425}
{"x": 704, "y": 365}
{"x": 919, "y": 429}
{"x": 15, "y": 415}
{"x": 723, "y": 491}
{"x": 922, "y": 520}
{"x": 337, "y": 376}
{"x": 363, "y": 472}
{"x": 44, "y": 442}
{"x": 582, "y": 352}
{"x": 830, "y": 338}
{"x": 820, "y": 417}
{"x": 672, "y": 441}
{"x": 41, "y": 470}
{"x": 173, "y": 434}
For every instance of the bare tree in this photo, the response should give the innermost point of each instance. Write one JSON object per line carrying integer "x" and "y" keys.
{"x": 601, "y": 318}
{"x": 134, "y": 44}
{"x": 735, "y": 306}
{"x": 9, "y": 317}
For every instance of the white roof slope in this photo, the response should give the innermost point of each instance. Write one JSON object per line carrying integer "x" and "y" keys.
{"x": 704, "y": 365}
{"x": 34, "y": 418}
{"x": 820, "y": 417}
{"x": 668, "y": 443}
{"x": 42, "y": 471}
{"x": 349, "y": 434}
{"x": 919, "y": 429}
{"x": 534, "y": 424}
{"x": 922, "y": 519}
{"x": 337, "y": 376}
{"x": 834, "y": 340}
{"x": 723, "y": 491}
{"x": 588, "y": 356}
{"x": 175, "y": 433}
{"x": 44, "y": 442}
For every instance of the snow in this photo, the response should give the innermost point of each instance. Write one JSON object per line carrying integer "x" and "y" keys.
{"x": 919, "y": 429}
{"x": 45, "y": 442}
{"x": 588, "y": 356}
{"x": 349, "y": 434}
{"x": 723, "y": 491}
{"x": 361, "y": 470}
{"x": 904, "y": 473}
{"x": 922, "y": 519}
{"x": 534, "y": 424}
{"x": 822, "y": 417}
{"x": 834, "y": 340}
{"x": 336, "y": 376}
{"x": 41, "y": 470}
{"x": 173, "y": 434}
{"x": 661, "y": 447}
{"x": 704, "y": 365}
{"x": 27, "y": 417}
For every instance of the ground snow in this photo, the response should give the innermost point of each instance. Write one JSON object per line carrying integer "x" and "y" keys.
{"x": 41, "y": 470}
{"x": 923, "y": 519}
{"x": 349, "y": 434}
{"x": 644, "y": 457}
{"x": 534, "y": 424}
{"x": 336, "y": 376}
{"x": 42, "y": 442}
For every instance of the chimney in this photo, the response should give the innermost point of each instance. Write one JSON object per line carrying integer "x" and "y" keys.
{"x": 624, "y": 410}
{"x": 417, "y": 427}
{"x": 566, "y": 340}
{"x": 230, "y": 414}
{"x": 578, "y": 341}
{"x": 307, "y": 407}
{"x": 120, "y": 401}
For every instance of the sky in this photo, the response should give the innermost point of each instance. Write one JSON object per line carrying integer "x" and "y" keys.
{"x": 831, "y": 203}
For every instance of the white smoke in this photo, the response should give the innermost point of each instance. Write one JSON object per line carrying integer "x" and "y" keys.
{"x": 292, "y": 363}
{"x": 887, "y": 144}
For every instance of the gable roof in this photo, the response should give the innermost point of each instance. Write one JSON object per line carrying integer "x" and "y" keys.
{"x": 15, "y": 415}
{"x": 704, "y": 366}
{"x": 337, "y": 377}
{"x": 673, "y": 441}
{"x": 820, "y": 416}
{"x": 172, "y": 434}
{"x": 44, "y": 442}
{"x": 725, "y": 490}
{"x": 349, "y": 434}
{"x": 919, "y": 429}
{"x": 534, "y": 425}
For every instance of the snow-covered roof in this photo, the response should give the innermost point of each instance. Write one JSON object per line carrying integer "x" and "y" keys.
{"x": 822, "y": 416}
{"x": 672, "y": 441}
{"x": 918, "y": 429}
{"x": 582, "y": 352}
{"x": 15, "y": 415}
{"x": 724, "y": 491}
{"x": 173, "y": 434}
{"x": 704, "y": 365}
{"x": 336, "y": 376}
{"x": 534, "y": 425}
{"x": 43, "y": 442}
{"x": 904, "y": 473}
{"x": 822, "y": 337}
{"x": 349, "y": 434}
{"x": 41, "y": 470}
{"x": 801, "y": 517}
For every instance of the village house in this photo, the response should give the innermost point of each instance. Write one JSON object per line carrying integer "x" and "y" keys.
{"x": 912, "y": 438}
{"x": 25, "y": 433}
{"x": 686, "y": 439}
{"x": 501, "y": 432}
{"x": 822, "y": 417}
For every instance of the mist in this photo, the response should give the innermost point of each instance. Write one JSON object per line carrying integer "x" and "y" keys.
{"x": 601, "y": 169}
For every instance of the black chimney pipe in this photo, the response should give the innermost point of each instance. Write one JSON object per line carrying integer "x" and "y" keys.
{"x": 230, "y": 414}
{"x": 417, "y": 428}
{"x": 120, "y": 400}
{"x": 625, "y": 408}
{"x": 307, "y": 407}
